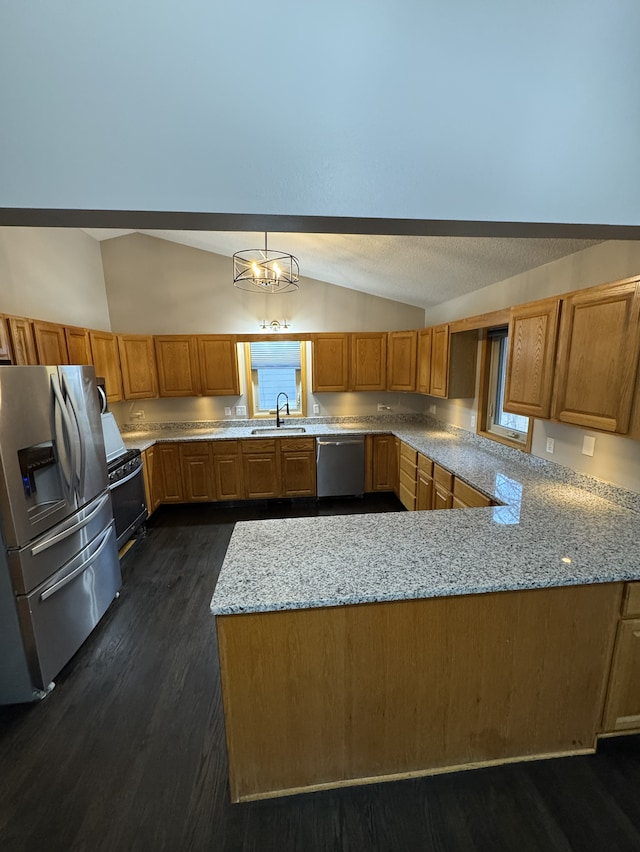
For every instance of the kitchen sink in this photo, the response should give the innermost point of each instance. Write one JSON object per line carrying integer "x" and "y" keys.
{"x": 274, "y": 430}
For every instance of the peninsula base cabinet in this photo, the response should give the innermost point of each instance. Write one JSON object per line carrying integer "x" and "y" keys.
{"x": 483, "y": 684}
{"x": 622, "y": 711}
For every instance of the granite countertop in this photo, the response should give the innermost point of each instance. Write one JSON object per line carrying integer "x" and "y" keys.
{"x": 555, "y": 528}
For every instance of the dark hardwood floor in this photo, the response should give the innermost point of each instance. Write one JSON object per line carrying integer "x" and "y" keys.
{"x": 128, "y": 752}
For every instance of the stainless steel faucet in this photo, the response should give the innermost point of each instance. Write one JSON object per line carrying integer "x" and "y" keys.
{"x": 280, "y": 407}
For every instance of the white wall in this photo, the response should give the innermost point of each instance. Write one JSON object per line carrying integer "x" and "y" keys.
{"x": 616, "y": 459}
{"x": 158, "y": 287}
{"x": 431, "y": 110}
{"x": 52, "y": 274}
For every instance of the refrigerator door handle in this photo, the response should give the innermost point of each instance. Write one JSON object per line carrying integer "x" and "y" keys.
{"x": 67, "y": 438}
{"x": 81, "y": 462}
{"x": 82, "y": 567}
{"x": 54, "y": 539}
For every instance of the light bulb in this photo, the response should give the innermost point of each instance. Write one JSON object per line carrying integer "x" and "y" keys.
{"x": 276, "y": 269}
{"x": 256, "y": 269}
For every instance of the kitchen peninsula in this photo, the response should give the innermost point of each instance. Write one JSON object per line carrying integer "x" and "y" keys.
{"x": 361, "y": 648}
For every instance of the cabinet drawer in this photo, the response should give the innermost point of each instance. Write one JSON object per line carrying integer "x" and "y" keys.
{"x": 468, "y": 495}
{"x": 631, "y": 600}
{"x": 408, "y": 466}
{"x": 194, "y": 448}
{"x": 407, "y": 497}
{"x": 443, "y": 477}
{"x": 297, "y": 445}
{"x": 408, "y": 481}
{"x": 260, "y": 445}
{"x": 425, "y": 465}
{"x": 225, "y": 448}
{"x": 408, "y": 453}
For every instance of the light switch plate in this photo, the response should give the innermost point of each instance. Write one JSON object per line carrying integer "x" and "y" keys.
{"x": 588, "y": 445}
{"x": 241, "y": 410}
{"x": 432, "y": 408}
{"x": 316, "y": 408}
{"x": 550, "y": 445}
{"x": 473, "y": 421}
{"x": 227, "y": 410}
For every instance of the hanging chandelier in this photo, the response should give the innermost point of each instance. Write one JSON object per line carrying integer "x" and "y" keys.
{"x": 265, "y": 270}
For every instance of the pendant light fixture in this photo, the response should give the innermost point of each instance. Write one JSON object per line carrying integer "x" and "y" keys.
{"x": 265, "y": 270}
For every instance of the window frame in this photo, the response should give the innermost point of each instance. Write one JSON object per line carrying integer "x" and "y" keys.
{"x": 251, "y": 379}
{"x": 487, "y": 398}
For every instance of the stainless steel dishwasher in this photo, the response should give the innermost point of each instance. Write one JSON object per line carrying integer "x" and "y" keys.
{"x": 340, "y": 465}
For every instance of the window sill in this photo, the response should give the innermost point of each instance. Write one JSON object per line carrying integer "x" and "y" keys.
{"x": 525, "y": 446}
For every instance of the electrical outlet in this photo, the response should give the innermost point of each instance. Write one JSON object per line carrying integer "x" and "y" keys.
{"x": 139, "y": 415}
{"x": 241, "y": 410}
{"x": 550, "y": 445}
{"x": 227, "y": 410}
{"x": 316, "y": 408}
{"x": 588, "y": 445}
{"x": 473, "y": 421}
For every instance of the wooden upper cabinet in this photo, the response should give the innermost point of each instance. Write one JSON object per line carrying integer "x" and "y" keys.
{"x": 634, "y": 426}
{"x": 402, "y": 347}
{"x": 106, "y": 358}
{"x": 78, "y": 345}
{"x": 22, "y": 341}
{"x": 440, "y": 361}
{"x": 368, "y": 361}
{"x": 51, "y": 343}
{"x": 138, "y": 365}
{"x": 423, "y": 377}
{"x": 330, "y": 363}
{"x": 597, "y": 359}
{"x": 218, "y": 358}
{"x": 5, "y": 343}
{"x": 533, "y": 331}
{"x": 177, "y": 360}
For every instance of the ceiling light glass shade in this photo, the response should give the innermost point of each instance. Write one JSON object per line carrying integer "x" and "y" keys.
{"x": 265, "y": 270}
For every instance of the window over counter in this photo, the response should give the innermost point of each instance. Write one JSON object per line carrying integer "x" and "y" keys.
{"x": 275, "y": 366}
{"x": 494, "y": 422}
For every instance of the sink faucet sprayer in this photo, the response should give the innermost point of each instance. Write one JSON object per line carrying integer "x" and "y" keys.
{"x": 280, "y": 407}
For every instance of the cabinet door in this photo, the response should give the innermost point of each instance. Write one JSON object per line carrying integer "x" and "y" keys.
{"x": 533, "y": 331}
{"x": 138, "y": 364}
{"x": 197, "y": 480}
{"x": 402, "y": 347}
{"x": 424, "y": 493}
{"x": 439, "y": 360}
{"x": 442, "y": 499}
{"x": 218, "y": 358}
{"x": 177, "y": 360}
{"x": 330, "y": 363}
{"x": 78, "y": 345}
{"x": 260, "y": 474}
{"x": 369, "y": 361}
{"x": 622, "y": 711}
{"x": 106, "y": 358}
{"x": 150, "y": 492}
{"x": 227, "y": 470}
{"x": 298, "y": 471}
{"x": 51, "y": 344}
{"x": 5, "y": 345}
{"x": 598, "y": 358}
{"x": 423, "y": 379}
{"x": 383, "y": 463}
{"x": 22, "y": 341}
{"x": 168, "y": 474}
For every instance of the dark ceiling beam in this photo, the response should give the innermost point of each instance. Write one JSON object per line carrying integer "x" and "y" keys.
{"x": 173, "y": 220}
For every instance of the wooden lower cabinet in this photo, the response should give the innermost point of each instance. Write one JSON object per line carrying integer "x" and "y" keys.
{"x": 381, "y": 464}
{"x": 489, "y": 678}
{"x": 197, "y": 479}
{"x": 442, "y": 488}
{"x": 167, "y": 474}
{"x": 260, "y": 469}
{"x": 466, "y": 497}
{"x": 622, "y": 710}
{"x": 150, "y": 487}
{"x": 424, "y": 493}
{"x": 297, "y": 467}
{"x": 408, "y": 476}
{"x": 227, "y": 470}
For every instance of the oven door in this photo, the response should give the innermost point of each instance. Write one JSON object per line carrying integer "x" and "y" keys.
{"x": 129, "y": 504}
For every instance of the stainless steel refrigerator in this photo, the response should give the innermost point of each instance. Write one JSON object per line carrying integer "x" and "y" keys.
{"x": 59, "y": 567}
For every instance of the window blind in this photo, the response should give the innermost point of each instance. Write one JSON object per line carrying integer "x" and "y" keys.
{"x": 275, "y": 353}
